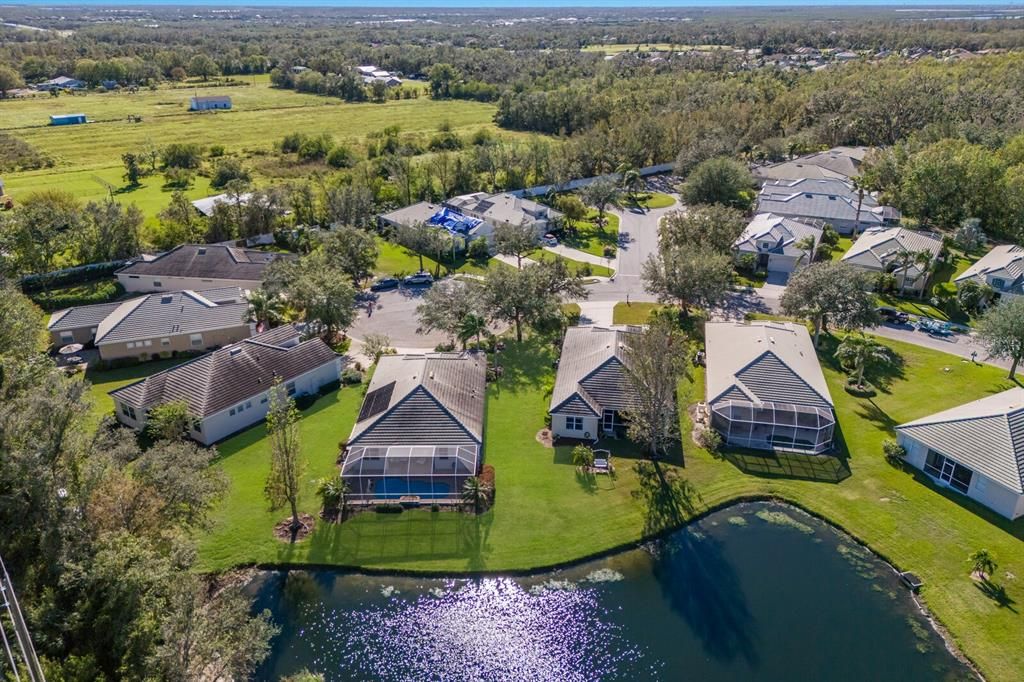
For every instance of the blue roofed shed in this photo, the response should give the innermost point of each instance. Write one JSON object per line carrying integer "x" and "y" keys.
{"x": 67, "y": 119}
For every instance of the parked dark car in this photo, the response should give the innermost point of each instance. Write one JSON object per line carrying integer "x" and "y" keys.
{"x": 418, "y": 279}
{"x": 385, "y": 283}
{"x": 893, "y": 315}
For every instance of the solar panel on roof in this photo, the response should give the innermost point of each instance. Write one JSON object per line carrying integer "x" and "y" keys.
{"x": 376, "y": 401}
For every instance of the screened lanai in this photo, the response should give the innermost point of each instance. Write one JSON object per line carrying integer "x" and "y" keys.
{"x": 774, "y": 426}
{"x": 429, "y": 472}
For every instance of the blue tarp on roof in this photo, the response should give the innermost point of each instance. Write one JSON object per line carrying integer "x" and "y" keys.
{"x": 453, "y": 221}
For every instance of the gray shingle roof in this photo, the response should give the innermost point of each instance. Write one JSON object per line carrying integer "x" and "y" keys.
{"x": 209, "y": 261}
{"x": 174, "y": 313}
{"x": 218, "y": 380}
{"x": 765, "y": 362}
{"x": 592, "y": 372}
{"x": 986, "y": 435}
{"x": 435, "y": 399}
{"x": 80, "y": 317}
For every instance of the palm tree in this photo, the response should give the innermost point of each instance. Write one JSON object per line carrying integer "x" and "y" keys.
{"x": 632, "y": 181}
{"x": 983, "y": 563}
{"x": 860, "y": 352}
{"x": 267, "y": 309}
{"x": 472, "y": 325}
{"x": 858, "y": 184}
{"x": 924, "y": 259}
{"x": 903, "y": 262}
{"x": 475, "y": 493}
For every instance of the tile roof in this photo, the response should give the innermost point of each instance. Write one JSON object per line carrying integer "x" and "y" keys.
{"x": 432, "y": 399}
{"x": 219, "y": 379}
{"x": 820, "y": 199}
{"x": 207, "y": 204}
{"x": 839, "y": 163}
{"x": 173, "y": 313}
{"x": 765, "y": 362}
{"x": 783, "y": 233}
{"x": 80, "y": 317}
{"x": 208, "y": 261}
{"x": 592, "y": 372}
{"x": 1004, "y": 260}
{"x": 986, "y": 435}
{"x": 883, "y": 245}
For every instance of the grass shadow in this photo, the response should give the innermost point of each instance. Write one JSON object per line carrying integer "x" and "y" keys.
{"x": 996, "y": 593}
{"x": 1014, "y": 528}
{"x": 668, "y": 500}
{"x": 825, "y": 468}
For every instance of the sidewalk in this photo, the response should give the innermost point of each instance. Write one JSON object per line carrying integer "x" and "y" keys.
{"x": 511, "y": 260}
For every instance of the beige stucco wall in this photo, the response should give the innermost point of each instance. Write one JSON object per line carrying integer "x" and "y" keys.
{"x": 179, "y": 343}
{"x": 83, "y": 335}
{"x": 148, "y": 283}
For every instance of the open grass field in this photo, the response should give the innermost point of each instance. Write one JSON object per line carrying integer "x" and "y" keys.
{"x": 259, "y": 118}
{"x": 545, "y": 513}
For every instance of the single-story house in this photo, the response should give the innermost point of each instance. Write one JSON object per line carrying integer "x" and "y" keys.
{"x": 879, "y": 249}
{"x": 67, "y": 119}
{"x": 592, "y": 389}
{"x": 78, "y": 324}
{"x": 206, "y": 205}
{"x": 825, "y": 201}
{"x": 419, "y": 432}
{"x": 157, "y": 325}
{"x": 473, "y": 216}
{"x": 228, "y": 390}
{"x": 976, "y": 449}
{"x": 765, "y": 389}
{"x": 209, "y": 103}
{"x": 61, "y": 83}
{"x": 1002, "y": 268}
{"x": 779, "y": 244}
{"x": 198, "y": 267}
{"x": 838, "y": 163}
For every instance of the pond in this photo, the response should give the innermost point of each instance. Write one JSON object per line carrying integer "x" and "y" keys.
{"x": 757, "y": 591}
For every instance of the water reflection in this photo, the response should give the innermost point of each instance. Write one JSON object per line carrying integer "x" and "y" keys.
{"x": 755, "y": 592}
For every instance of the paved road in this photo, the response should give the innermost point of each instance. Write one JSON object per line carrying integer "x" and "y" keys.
{"x": 394, "y": 313}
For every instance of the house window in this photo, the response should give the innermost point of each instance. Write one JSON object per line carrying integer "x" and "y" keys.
{"x": 574, "y": 423}
{"x": 197, "y": 427}
{"x": 248, "y": 404}
{"x": 149, "y": 342}
{"x": 998, "y": 283}
{"x": 196, "y": 340}
{"x": 232, "y": 412}
{"x": 131, "y": 413}
{"x": 291, "y": 387}
{"x": 124, "y": 410}
{"x": 67, "y": 337}
{"x": 130, "y": 345}
{"x": 263, "y": 400}
{"x": 157, "y": 283}
{"x": 947, "y": 471}
{"x": 165, "y": 341}
{"x": 240, "y": 408}
{"x": 92, "y": 331}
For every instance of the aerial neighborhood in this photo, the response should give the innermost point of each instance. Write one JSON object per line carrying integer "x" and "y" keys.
{"x": 444, "y": 296}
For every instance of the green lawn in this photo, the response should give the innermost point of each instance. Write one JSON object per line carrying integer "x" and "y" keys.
{"x": 88, "y": 154}
{"x": 396, "y": 260}
{"x": 545, "y": 514}
{"x": 841, "y": 247}
{"x": 633, "y": 313}
{"x": 104, "y": 381}
{"x": 87, "y": 293}
{"x": 574, "y": 265}
{"x": 652, "y": 200}
{"x": 589, "y": 238}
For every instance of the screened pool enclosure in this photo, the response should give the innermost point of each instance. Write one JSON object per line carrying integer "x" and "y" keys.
{"x": 427, "y": 472}
{"x": 774, "y": 426}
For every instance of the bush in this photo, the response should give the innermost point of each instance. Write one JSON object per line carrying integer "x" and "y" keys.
{"x": 710, "y": 440}
{"x": 315, "y": 148}
{"x": 478, "y": 249}
{"x": 291, "y": 142}
{"x": 351, "y": 377}
{"x": 609, "y": 251}
{"x": 341, "y": 157}
{"x": 585, "y": 270}
{"x": 444, "y": 348}
{"x": 90, "y": 294}
{"x": 388, "y": 508}
{"x": 177, "y": 177}
{"x": 181, "y": 155}
{"x": 895, "y": 453}
{"x": 487, "y": 478}
{"x": 227, "y": 170}
{"x": 305, "y": 401}
{"x": 746, "y": 262}
{"x": 829, "y": 236}
{"x": 216, "y": 151}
